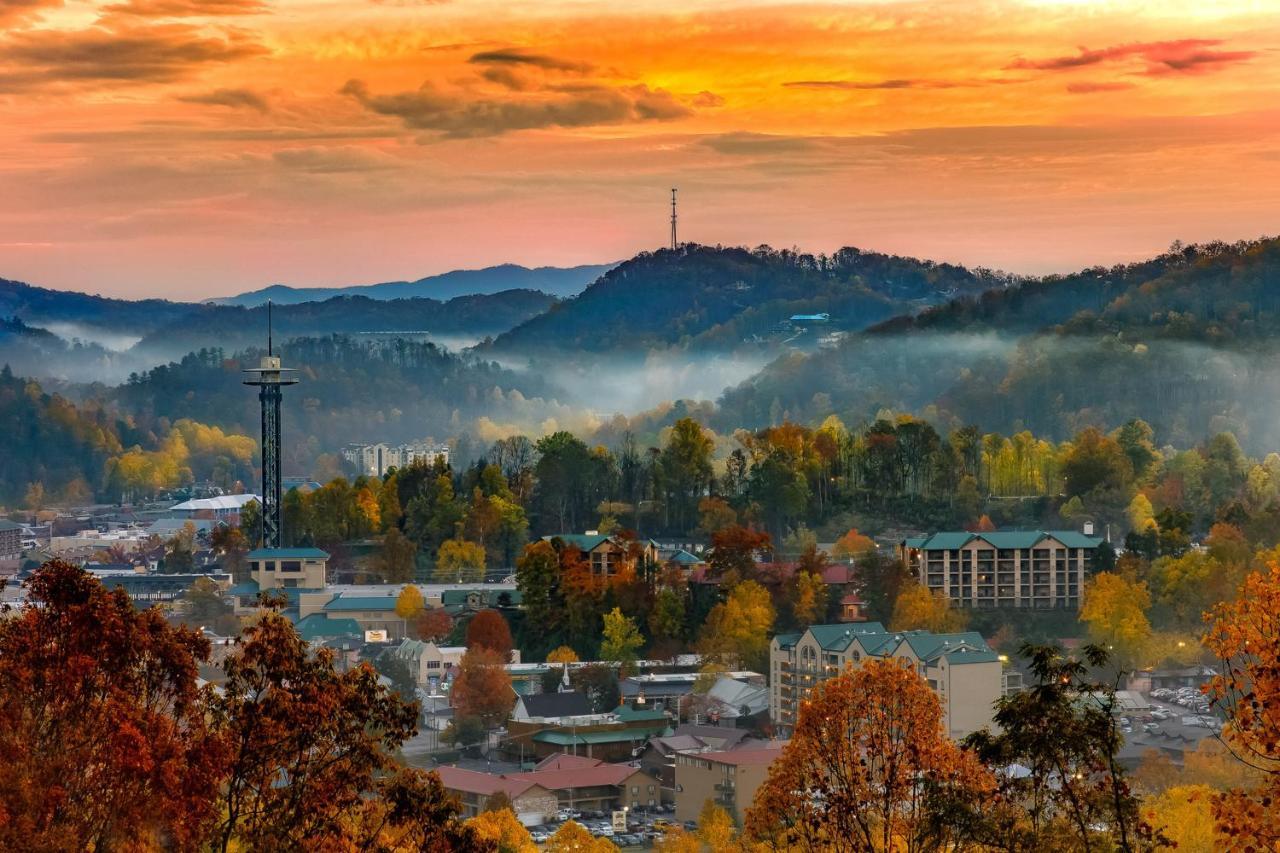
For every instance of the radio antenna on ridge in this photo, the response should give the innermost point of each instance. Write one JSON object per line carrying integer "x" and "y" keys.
{"x": 674, "y": 244}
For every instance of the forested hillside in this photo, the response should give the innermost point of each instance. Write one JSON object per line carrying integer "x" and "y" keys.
{"x": 350, "y": 390}
{"x": 1187, "y": 341}
{"x": 235, "y": 326}
{"x": 716, "y": 298}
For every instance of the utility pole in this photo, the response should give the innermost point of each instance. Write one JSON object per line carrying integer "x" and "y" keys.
{"x": 674, "y": 243}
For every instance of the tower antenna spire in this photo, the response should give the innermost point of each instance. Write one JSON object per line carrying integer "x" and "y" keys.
{"x": 269, "y": 377}
{"x": 269, "y": 352}
{"x": 674, "y": 244}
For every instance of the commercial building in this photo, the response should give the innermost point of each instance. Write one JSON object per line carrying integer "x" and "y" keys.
{"x": 10, "y": 546}
{"x": 288, "y": 568}
{"x": 658, "y": 759}
{"x": 376, "y": 459}
{"x": 728, "y": 779}
{"x": 618, "y": 735}
{"x": 960, "y": 668}
{"x": 1037, "y": 569}
{"x": 224, "y": 507}
{"x": 428, "y": 662}
{"x": 559, "y": 781}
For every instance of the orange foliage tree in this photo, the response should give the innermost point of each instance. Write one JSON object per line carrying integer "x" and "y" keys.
{"x": 482, "y": 689}
{"x": 733, "y": 553}
{"x": 868, "y": 768}
{"x": 1245, "y": 635}
{"x": 489, "y": 630}
{"x": 852, "y": 544}
{"x": 433, "y": 624}
{"x": 312, "y": 753}
{"x": 103, "y": 739}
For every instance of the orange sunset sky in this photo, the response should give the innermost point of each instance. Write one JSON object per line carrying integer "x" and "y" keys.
{"x": 191, "y": 148}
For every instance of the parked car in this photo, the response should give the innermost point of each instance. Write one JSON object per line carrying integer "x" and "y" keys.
{"x": 1151, "y": 727}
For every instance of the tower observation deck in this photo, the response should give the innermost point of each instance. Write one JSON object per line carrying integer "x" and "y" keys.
{"x": 269, "y": 377}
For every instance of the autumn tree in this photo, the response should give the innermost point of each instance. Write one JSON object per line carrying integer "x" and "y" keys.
{"x": 867, "y": 768}
{"x": 1184, "y": 815}
{"x": 489, "y": 630}
{"x": 231, "y": 548}
{"x": 733, "y": 553}
{"x": 882, "y": 580}
{"x": 572, "y": 837}
{"x": 1063, "y": 729}
{"x": 409, "y": 603}
{"x": 312, "y": 753}
{"x": 919, "y": 607}
{"x": 714, "y": 515}
{"x": 104, "y": 743}
{"x": 433, "y": 623}
{"x": 1244, "y": 634}
{"x": 1115, "y": 611}
{"x": 808, "y": 599}
{"x": 504, "y": 830}
{"x": 460, "y": 561}
{"x": 483, "y": 688}
{"x": 621, "y": 640}
{"x": 716, "y": 829}
{"x": 737, "y": 629}
{"x": 852, "y": 544}
{"x": 397, "y": 557}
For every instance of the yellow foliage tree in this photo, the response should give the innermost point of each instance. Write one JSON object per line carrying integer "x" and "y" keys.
{"x": 1141, "y": 514}
{"x": 369, "y": 511}
{"x": 676, "y": 840}
{"x": 562, "y": 654}
{"x": 504, "y": 829}
{"x": 810, "y": 602}
{"x": 920, "y": 608}
{"x": 1184, "y": 815}
{"x": 715, "y": 828}
{"x": 461, "y": 560}
{"x": 573, "y": 837}
{"x": 1115, "y": 611}
{"x": 409, "y": 603}
{"x": 737, "y": 630}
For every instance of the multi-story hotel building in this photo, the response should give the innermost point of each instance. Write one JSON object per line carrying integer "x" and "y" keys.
{"x": 1039, "y": 568}
{"x": 961, "y": 668}
{"x": 375, "y": 459}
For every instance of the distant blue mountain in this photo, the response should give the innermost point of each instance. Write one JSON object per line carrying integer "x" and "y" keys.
{"x": 556, "y": 281}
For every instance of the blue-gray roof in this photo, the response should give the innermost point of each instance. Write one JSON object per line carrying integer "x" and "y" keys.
{"x": 959, "y": 648}
{"x": 288, "y": 554}
{"x": 249, "y": 587}
{"x": 361, "y": 602}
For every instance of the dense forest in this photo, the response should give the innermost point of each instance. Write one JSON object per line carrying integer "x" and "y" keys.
{"x": 1185, "y": 341}
{"x": 715, "y": 298}
{"x": 232, "y": 326}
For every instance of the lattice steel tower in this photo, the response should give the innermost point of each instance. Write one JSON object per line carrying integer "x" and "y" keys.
{"x": 674, "y": 244}
{"x": 269, "y": 376}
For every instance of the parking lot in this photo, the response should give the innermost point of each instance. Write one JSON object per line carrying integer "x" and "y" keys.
{"x": 644, "y": 826}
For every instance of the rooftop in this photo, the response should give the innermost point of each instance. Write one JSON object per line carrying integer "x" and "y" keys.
{"x": 1012, "y": 539}
{"x": 288, "y": 554}
{"x": 223, "y": 502}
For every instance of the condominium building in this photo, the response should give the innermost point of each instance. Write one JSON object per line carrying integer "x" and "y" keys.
{"x": 375, "y": 459}
{"x": 960, "y": 668}
{"x": 728, "y": 779}
{"x": 1037, "y": 569}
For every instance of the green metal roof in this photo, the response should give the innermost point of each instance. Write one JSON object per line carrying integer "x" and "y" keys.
{"x": 838, "y": 637}
{"x": 1072, "y": 539}
{"x": 963, "y": 657}
{"x": 318, "y": 626}
{"x": 1012, "y": 538}
{"x": 631, "y": 735}
{"x": 787, "y": 641}
{"x": 947, "y": 541}
{"x": 288, "y": 554}
{"x": 629, "y": 714}
{"x": 6, "y": 524}
{"x": 684, "y": 558}
{"x": 249, "y": 587}
{"x": 361, "y": 602}
{"x": 579, "y": 540}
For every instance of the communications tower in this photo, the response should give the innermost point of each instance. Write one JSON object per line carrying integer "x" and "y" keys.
{"x": 674, "y": 244}
{"x": 270, "y": 377}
